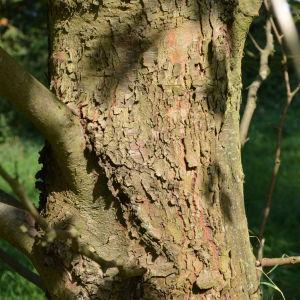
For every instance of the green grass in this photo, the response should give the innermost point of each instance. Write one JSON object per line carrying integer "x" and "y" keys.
{"x": 20, "y": 158}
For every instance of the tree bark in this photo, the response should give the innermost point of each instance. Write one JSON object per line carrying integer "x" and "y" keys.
{"x": 156, "y": 85}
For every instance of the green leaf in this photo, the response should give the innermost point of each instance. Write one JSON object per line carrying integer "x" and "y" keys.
{"x": 273, "y": 286}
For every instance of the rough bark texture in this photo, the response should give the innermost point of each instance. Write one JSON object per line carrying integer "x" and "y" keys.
{"x": 157, "y": 87}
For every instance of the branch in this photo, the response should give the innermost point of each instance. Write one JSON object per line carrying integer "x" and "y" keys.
{"x": 21, "y": 270}
{"x": 19, "y": 190}
{"x": 290, "y": 94}
{"x": 244, "y": 11}
{"x": 271, "y": 262}
{"x": 12, "y": 219}
{"x": 249, "y": 8}
{"x": 287, "y": 25}
{"x": 263, "y": 73}
{"x": 50, "y": 116}
{"x": 9, "y": 200}
{"x": 52, "y": 234}
{"x": 255, "y": 43}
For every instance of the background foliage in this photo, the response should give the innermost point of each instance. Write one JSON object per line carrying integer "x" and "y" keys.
{"x": 23, "y": 33}
{"x": 258, "y": 159}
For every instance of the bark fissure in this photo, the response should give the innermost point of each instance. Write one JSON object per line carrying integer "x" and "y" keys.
{"x": 157, "y": 87}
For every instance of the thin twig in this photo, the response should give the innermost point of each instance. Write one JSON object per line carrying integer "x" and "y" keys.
{"x": 260, "y": 248}
{"x": 255, "y": 43}
{"x": 290, "y": 94}
{"x": 10, "y": 200}
{"x": 21, "y": 270}
{"x": 263, "y": 73}
{"x": 271, "y": 262}
{"x": 20, "y": 192}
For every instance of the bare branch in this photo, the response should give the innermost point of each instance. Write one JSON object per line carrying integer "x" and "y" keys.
{"x": 19, "y": 190}
{"x": 20, "y": 269}
{"x": 255, "y": 42}
{"x": 271, "y": 262}
{"x": 9, "y": 200}
{"x": 287, "y": 25}
{"x": 290, "y": 94}
{"x": 52, "y": 234}
{"x": 295, "y": 91}
{"x": 264, "y": 72}
{"x": 260, "y": 248}
{"x": 277, "y": 162}
{"x": 50, "y": 116}
{"x": 12, "y": 220}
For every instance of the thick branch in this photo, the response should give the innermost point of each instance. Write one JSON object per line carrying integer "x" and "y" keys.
{"x": 50, "y": 116}
{"x": 249, "y": 8}
{"x": 256, "y": 84}
{"x": 287, "y": 25}
{"x": 20, "y": 269}
{"x": 271, "y": 262}
{"x": 12, "y": 219}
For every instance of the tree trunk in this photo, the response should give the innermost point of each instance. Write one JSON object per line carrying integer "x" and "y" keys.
{"x": 157, "y": 87}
